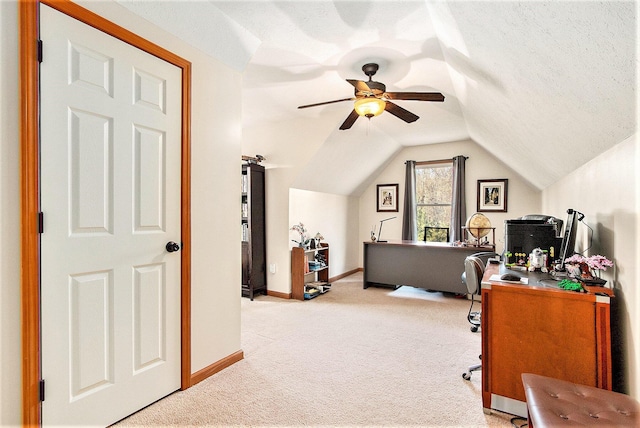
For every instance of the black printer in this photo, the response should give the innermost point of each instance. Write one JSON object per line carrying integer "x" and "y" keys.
{"x": 524, "y": 234}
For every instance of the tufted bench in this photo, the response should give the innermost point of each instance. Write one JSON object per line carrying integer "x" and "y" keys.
{"x": 559, "y": 403}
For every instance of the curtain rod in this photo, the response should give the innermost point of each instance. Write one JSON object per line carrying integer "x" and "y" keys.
{"x": 431, "y": 162}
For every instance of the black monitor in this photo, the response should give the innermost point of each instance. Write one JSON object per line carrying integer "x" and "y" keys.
{"x": 568, "y": 246}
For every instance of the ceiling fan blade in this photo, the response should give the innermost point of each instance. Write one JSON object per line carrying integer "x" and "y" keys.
{"x": 400, "y": 113}
{"x": 415, "y": 96}
{"x": 349, "y": 121}
{"x": 361, "y": 86}
{"x": 327, "y": 102}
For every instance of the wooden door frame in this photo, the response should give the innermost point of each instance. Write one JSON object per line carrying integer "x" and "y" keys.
{"x": 29, "y": 191}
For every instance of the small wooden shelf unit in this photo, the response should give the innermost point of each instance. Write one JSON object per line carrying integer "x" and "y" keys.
{"x": 299, "y": 275}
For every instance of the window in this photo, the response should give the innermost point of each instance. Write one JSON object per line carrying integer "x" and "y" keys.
{"x": 434, "y": 188}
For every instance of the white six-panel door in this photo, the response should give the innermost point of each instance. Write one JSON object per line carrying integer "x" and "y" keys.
{"x": 110, "y": 194}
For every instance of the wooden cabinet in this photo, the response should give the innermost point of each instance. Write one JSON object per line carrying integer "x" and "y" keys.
{"x": 541, "y": 329}
{"x": 254, "y": 265}
{"x": 305, "y": 278}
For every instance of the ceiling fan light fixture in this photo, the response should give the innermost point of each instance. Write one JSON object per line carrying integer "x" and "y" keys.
{"x": 371, "y": 99}
{"x": 369, "y": 107}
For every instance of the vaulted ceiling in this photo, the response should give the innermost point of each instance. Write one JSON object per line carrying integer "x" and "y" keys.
{"x": 543, "y": 85}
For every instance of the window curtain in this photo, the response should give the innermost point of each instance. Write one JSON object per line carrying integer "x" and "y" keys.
{"x": 458, "y": 204}
{"x": 409, "y": 225}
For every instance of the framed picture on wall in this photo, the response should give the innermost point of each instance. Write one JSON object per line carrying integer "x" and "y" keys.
{"x": 492, "y": 195}
{"x": 387, "y": 198}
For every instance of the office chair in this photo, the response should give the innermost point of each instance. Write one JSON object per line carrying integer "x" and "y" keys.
{"x": 474, "y": 266}
{"x": 473, "y": 287}
{"x": 440, "y": 238}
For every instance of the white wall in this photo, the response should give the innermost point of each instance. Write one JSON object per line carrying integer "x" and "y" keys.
{"x": 287, "y": 146}
{"x": 607, "y": 191}
{"x": 216, "y": 135}
{"x": 10, "y": 380}
{"x": 335, "y": 217}
{"x": 523, "y": 198}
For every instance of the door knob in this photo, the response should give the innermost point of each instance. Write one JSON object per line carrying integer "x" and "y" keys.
{"x": 172, "y": 247}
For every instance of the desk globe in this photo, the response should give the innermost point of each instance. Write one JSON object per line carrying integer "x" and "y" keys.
{"x": 478, "y": 225}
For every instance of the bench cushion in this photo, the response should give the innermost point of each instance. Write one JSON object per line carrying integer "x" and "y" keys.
{"x": 557, "y": 403}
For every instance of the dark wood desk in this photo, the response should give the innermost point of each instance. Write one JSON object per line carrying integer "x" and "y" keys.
{"x": 539, "y": 328}
{"x": 430, "y": 265}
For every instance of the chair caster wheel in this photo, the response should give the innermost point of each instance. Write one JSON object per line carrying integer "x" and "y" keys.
{"x": 474, "y": 328}
{"x": 466, "y": 376}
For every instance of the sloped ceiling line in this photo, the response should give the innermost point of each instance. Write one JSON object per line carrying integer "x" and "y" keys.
{"x": 544, "y": 85}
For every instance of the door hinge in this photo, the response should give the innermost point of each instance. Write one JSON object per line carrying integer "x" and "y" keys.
{"x": 40, "y": 222}
{"x": 39, "y": 50}
{"x": 41, "y": 390}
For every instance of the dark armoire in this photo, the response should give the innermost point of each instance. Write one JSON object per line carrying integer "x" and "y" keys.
{"x": 254, "y": 265}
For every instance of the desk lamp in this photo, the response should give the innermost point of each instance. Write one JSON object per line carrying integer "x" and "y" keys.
{"x": 380, "y": 231}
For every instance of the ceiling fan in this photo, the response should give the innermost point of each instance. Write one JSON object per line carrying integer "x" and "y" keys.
{"x": 371, "y": 99}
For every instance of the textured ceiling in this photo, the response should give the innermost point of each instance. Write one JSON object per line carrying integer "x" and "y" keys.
{"x": 544, "y": 85}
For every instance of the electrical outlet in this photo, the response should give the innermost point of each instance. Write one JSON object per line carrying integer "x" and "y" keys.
{"x": 272, "y": 268}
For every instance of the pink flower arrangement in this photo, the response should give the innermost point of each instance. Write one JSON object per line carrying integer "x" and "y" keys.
{"x": 596, "y": 262}
{"x": 599, "y": 262}
{"x": 587, "y": 267}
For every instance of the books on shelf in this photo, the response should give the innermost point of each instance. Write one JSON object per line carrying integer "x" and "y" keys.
{"x": 312, "y": 265}
{"x": 245, "y": 232}
{"x": 315, "y": 288}
{"x": 321, "y": 286}
{"x": 245, "y": 183}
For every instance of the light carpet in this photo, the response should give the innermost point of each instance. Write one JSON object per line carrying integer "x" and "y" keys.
{"x": 350, "y": 357}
